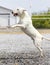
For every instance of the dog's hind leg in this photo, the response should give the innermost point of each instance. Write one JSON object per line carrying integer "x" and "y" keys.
{"x": 37, "y": 43}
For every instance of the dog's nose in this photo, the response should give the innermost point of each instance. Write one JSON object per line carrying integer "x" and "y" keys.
{"x": 15, "y": 14}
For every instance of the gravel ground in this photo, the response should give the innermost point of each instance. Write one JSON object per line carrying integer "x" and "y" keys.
{"x": 18, "y": 49}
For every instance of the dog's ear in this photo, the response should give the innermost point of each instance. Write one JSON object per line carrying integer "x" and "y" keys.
{"x": 23, "y": 11}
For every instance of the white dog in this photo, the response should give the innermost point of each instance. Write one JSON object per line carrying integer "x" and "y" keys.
{"x": 25, "y": 24}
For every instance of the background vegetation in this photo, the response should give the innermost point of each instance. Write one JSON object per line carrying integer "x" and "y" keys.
{"x": 41, "y": 20}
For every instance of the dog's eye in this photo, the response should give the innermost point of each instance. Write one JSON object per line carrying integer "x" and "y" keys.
{"x": 17, "y": 9}
{"x": 12, "y": 12}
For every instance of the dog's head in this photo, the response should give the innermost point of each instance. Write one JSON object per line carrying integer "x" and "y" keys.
{"x": 19, "y": 12}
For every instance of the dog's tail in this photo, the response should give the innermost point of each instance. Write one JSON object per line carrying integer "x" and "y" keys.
{"x": 46, "y": 38}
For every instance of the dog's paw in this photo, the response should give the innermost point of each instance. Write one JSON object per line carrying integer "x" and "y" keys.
{"x": 42, "y": 55}
{"x": 12, "y": 26}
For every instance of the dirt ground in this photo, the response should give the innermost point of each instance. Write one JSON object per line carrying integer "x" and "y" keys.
{"x": 18, "y": 49}
{"x": 24, "y": 59}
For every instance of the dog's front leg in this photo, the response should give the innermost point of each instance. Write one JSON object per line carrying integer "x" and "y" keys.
{"x": 18, "y": 25}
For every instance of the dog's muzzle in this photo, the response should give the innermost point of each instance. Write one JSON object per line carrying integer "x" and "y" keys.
{"x": 15, "y": 14}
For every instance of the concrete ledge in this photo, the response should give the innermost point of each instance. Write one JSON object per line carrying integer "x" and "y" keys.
{"x": 19, "y": 31}
{"x": 44, "y": 31}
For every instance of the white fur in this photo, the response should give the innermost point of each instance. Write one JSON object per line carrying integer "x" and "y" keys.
{"x": 25, "y": 24}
